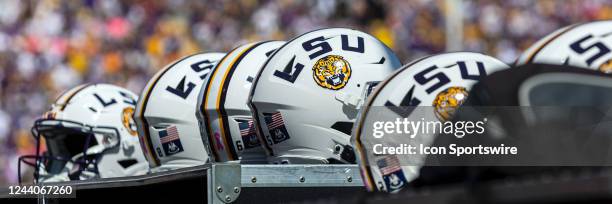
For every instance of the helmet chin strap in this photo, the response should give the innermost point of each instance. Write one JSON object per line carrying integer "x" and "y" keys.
{"x": 350, "y": 100}
{"x": 63, "y": 175}
{"x": 85, "y": 169}
{"x": 47, "y": 178}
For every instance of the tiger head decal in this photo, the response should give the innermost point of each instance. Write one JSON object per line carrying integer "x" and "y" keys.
{"x": 128, "y": 121}
{"x": 447, "y": 102}
{"x": 332, "y": 72}
{"x": 606, "y": 67}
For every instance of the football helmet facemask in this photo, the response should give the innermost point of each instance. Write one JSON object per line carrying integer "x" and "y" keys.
{"x": 88, "y": 133}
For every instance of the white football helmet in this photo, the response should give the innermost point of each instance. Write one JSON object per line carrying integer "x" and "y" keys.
{"x": 306, "y": 97}
{"x": 89, "y": 133}
{"x": 223, "y": 113}
{"x": 587, "y": 45}
{"x": 165, "y": 114}
{"x": 441, "y": 82}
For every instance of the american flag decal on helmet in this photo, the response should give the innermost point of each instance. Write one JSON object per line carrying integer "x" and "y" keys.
{"x": 389, "y": 165}
{"x": 247, "y": 133}
{"x": 392, "y": 174}
{"x": 170, "y": 140}
{"x": 276, "y": 127}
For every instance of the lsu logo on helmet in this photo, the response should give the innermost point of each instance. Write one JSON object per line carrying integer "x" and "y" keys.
{"x": 446, "y": 102}
{"x": 128, "y": 121}
{"x": 332, "y": 72}
{"x": 606, "y": 67}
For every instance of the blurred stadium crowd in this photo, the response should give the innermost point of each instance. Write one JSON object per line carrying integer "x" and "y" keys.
{"x": 48, "y": 46}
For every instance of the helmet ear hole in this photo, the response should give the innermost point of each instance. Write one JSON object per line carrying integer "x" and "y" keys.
{"x": 126, "y": 163}
{"x": 343, "y": 126}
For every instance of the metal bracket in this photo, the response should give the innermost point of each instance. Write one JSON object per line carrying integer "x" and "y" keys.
{"x": 225, "y": 182}
{"x": 292, "y": 175}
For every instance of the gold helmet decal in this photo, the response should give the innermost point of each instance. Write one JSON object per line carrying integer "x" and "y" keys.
{"x": 447, "y": 102}
{"x": 128, "y": 121}
{"x": 332, "y": 72}
{"x": 606, "y": 67}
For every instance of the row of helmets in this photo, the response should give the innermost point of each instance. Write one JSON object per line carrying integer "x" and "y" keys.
{"x": 297, "y": 102}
